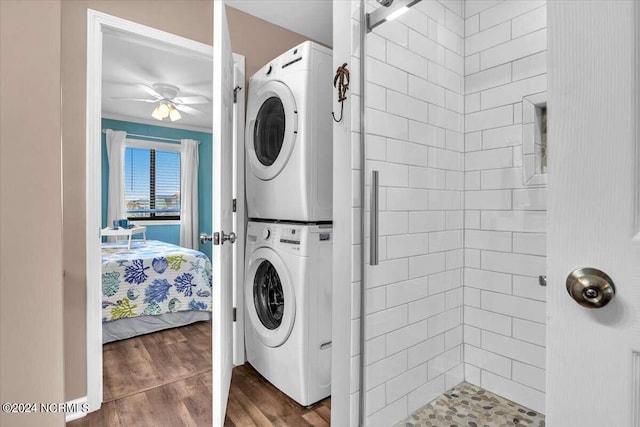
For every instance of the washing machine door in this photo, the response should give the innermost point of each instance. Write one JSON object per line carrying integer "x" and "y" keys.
{"x": 270, "y": 297}
{"x": 271, "y": 130}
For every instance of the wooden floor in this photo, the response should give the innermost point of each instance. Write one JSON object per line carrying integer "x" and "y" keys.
{"x": 164, "y": 379}
{"x": 253, "y": 401}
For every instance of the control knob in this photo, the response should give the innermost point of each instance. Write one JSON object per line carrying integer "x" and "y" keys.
{"x": 266, "y": 233}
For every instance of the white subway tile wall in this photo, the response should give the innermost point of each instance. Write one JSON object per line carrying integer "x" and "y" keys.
{"x": 415, "y": 139}
{"x": 505, "y": 220}
{"x": 462, "y": 239}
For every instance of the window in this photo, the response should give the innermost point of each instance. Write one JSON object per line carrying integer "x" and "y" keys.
{"x": 152, "y": 183}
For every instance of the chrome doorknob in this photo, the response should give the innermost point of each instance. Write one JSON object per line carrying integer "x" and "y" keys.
{"x": 590, "y": 287}
{"x": 231, "y": 237}
{"x": 215, "y": 237}
{"x": 204, "y": 238}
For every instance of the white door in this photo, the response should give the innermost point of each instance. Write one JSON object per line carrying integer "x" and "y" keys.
{"x": 593, "y": 355}
{"x": 222, "y": 317}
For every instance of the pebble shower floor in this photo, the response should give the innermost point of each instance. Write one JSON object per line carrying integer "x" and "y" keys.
{"x": 469, "y": 406}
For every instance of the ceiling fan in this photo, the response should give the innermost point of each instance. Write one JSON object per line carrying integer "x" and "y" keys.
{"x": 168, "y": 101}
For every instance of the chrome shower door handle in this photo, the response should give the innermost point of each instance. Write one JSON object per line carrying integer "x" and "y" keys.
{"x": 373, "y": 256}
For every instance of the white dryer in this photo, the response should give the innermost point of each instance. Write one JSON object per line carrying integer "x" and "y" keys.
{"x": 288, "y": 305}
{"x": 289, "y": 137}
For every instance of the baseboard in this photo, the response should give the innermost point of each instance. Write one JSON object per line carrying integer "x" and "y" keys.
{"x": 77, "y": 404}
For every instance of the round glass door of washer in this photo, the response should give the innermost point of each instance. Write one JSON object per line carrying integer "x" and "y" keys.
{"x": 270, "y": 298}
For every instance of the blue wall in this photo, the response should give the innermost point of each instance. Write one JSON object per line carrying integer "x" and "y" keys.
{"x": 167, "y": 233}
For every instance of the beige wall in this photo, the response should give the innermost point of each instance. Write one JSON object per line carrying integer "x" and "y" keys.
{"x": 191, "y": 19}
{"x": 257, "y": 40}
{"x": 31, "y": 360}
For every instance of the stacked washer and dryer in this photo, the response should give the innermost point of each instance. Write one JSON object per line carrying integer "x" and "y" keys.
{"x": 289, "y": 235}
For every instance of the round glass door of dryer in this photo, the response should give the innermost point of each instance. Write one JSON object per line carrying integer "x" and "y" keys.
{"x": 269, "y": 297}
{"x": 271, "y": 130}
{"x": 268, "y": 131}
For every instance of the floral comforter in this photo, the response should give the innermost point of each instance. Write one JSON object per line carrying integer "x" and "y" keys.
{"x": 153, "y": 278}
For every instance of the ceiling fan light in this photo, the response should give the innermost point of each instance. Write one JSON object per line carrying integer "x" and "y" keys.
{"x": 174, "y": 114}
{"x": 163, "y": 109}
{"x": 156, "y": 113}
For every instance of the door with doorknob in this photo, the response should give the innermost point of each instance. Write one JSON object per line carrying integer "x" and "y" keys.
{"x": 593, "y": 291}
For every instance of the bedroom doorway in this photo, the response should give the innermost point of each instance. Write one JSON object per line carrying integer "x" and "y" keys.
{"x": 161, "y": 186}
{"x": 150, "y": 117}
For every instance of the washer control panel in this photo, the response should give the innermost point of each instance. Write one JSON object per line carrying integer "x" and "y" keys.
{"x": 298, "y": 239}
{"x": 290, "y": 235}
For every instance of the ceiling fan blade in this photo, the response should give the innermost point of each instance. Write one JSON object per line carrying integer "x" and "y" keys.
{"x": 151, "y": 91}
{"x": 134, "y": 99}
{"x": 188, "y": 110}
{"x": 191, "y": 100}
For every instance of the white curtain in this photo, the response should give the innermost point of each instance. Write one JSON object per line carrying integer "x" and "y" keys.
{"x": 116, "y": 205}
{"x": 189, "y": 194}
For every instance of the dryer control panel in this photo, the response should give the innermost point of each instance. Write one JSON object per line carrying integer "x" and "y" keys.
{"x": 294, "y": 60}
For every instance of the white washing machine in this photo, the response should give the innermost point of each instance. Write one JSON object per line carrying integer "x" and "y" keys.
{"x": 289, "y": 137}
{"x": 288, "y": 305}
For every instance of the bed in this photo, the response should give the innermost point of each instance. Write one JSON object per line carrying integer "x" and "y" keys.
{"x": 153, "y": 286}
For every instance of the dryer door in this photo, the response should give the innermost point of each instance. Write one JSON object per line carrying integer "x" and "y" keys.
{"x": 271, "y": 129}
{"x": 270, "y": 298}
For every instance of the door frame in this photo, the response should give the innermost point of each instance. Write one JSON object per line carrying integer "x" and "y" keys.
{"x": 239, "y": 217}
{"x": 637, "y": 142}
{"x": 97, "y": 22}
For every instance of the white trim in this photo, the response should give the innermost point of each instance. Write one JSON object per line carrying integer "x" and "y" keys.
{"x": 637, "y": 131}
{"x": 70, "y": 416}
{"x": 97, "y": 22}
{"x": 154, "y": 122}
{"x": 635, "y": 407}
{"x": 119, "y": 25}
{"x": 239, "y": 218}
{"x": 344, "y": 368}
